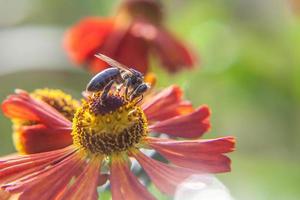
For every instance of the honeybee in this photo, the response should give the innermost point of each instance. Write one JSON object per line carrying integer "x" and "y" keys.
{"x": 131, "y": 79}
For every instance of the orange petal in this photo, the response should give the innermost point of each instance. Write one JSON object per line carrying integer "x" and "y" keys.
{"x": 166, "y": 104}
{"x": 133, "y": 52}
{"x": 39, "y": 138}
{"x": 173, "y": 54}
{"x": 11, "y": 162}
{"x": 23, "y": 106}
{"x": 125, "y": 48}
{"x": 191, "y": 125}
{"x": 85, "y": 185}
{"x": 16, "y": 167}
{"x": 165, "y": 177}
{"x": 202, "y": 155}
{"x": 50, "y": 184}
{"x": 38, "y": 183}
{"x": 83, "y": 39}
{"x": 124, "y": 185}
{"x": 4, "y": 195}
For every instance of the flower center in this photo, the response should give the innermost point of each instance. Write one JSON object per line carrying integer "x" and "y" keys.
{"x": 110, "y": 126}
{"x": 59, "y": 100}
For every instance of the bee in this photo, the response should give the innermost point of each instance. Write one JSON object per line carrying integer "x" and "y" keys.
{"x": 132, "y": 80}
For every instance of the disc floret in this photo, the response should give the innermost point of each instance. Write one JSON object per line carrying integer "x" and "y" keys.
{"x": 108, "y": 126}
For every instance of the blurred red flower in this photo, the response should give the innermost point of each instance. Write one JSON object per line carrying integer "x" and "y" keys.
{"x": 129, "y": 37}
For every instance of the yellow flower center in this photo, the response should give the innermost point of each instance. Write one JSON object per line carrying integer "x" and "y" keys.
{"x": 59, "y": 100}
{"x": 110, "y": 126}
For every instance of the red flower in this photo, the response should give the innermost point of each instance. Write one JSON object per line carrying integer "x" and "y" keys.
{"x": 112, "y": 133}
{"x": 129, "y": 37}
{"x": 34, "y": 133}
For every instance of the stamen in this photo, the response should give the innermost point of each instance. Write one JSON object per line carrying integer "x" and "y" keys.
{"x": 110, "y": 104}
{"x": 110, "y": 126}
{"x": 59, "y": 100}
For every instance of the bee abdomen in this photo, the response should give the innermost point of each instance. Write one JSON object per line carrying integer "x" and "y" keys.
{"x": 100, "y": 80}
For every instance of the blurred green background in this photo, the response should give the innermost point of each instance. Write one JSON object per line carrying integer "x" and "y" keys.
{"x": 249, "y": 76}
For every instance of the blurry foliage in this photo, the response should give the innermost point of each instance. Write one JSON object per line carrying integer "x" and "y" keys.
{"x": 249, "y": 76}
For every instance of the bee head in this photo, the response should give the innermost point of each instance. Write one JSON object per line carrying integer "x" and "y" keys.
{"x": 137, "y": 74}
{"x": 136, "y": 77}
{"x": 140, "y": 90}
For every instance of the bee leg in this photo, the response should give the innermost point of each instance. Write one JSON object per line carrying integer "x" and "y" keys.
{"x": 139, "y": 91}
{"x": 106, "y": 91}
{"x": 141, "y": 98}
{"x": 134, "y": 93}
{"x": 119, "y": 88}
{"x": 127, "y": 84}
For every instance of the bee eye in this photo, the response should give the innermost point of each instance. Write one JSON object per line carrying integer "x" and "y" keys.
{"x": 136, "y": 73}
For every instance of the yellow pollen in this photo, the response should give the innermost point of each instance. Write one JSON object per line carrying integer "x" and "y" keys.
{"x": 59, "y": 100}
{"x": 100, "y": 128}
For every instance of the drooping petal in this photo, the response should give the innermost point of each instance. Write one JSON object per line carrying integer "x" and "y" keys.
{"x": 124, "y": 185}
{"x": 51, "y": 183}
{"x": 173, "y": 54}
{"x": 14, "y": 167}
{"x": 170, "y": 95}
{"x": 85, "y": 185}
{"x": 166, "y": 104}
{"x": 133, "y": 51}
{"x": 40, "y": 138}
{"x": 165, "y": 177}
{"x": 124, "y": 47}
{"x": 206, "y": 156}
{"x": 47, "y": 180}
{"x": 192, "y": 125}
{"x": 33, "y": 159}
{"x": 82, "y": 40}
{"x": 22, "y": 106}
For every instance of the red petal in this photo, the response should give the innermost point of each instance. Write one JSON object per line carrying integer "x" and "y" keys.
{"x": 85, "y": 185}
{"x": 17, "y": 168}
{"x": 166, "y": 104}
{"x": 51, "y": 185}
{"x": 83, "y": 39}
{"x": 165, "y": 177}
{"x": 17, "y": 163}
{"x": 173, "y": 54}
{"x": 133, "y": 51}
{"x": 191, "y": 125}
{"x": 4, "y": 195}
{"x": 23, "y": 106}
{"x": 39, "y": 138}
{"x": 124, "y": 185}
{"x": 36, "y": 183}
{"x": 110, "y": 48}
{"x": 126, "y": 48}
{"x": 202, "y": 155}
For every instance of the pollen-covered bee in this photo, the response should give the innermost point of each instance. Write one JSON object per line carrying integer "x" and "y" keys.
{"x": 132, "y": 80}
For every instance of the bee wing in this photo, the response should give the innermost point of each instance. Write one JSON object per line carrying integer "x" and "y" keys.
{"x": 112, "y": 62}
